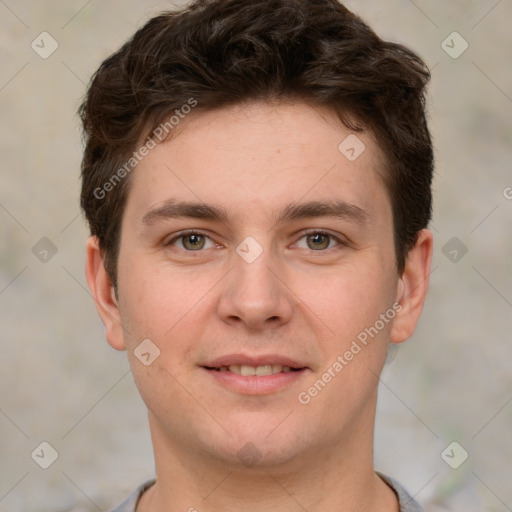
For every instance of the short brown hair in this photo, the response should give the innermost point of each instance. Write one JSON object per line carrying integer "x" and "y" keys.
{"x": 223, "y": 52}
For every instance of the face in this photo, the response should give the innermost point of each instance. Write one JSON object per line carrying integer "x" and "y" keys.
{"x": 259, "y": 261}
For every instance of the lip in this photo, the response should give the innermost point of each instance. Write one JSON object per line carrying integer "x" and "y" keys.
{"x": 254, "y": 384}
{"x": 243, "y": 359}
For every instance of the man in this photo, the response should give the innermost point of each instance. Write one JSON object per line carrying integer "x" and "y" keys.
{"x": 257, "y": 180}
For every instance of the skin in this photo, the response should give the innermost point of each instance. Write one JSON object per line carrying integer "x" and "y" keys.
{"x": 305, "y": 303}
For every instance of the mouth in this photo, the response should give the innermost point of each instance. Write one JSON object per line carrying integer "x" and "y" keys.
{"x": 262, "y": 375}
{"x": 259, "y": 371}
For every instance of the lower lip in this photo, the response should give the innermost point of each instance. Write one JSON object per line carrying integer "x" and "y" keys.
{"x": 254, "y": 384}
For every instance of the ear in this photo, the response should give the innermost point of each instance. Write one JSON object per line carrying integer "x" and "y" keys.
{"x": 103, "y": 292}
{"x": 412, "y": 287}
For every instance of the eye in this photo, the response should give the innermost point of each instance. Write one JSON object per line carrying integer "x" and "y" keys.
{"x": 192, "y": 241}
{"x": 319, "y": 241}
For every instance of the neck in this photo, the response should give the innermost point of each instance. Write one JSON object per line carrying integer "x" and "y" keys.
{"x": 337, "y": 477}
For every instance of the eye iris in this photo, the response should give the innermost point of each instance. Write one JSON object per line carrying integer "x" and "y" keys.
{"x": 193, "y": 242}
{"x": 319, "y": 241}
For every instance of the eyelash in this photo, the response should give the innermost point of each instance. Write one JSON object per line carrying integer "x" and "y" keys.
{"x": 183, "y": 234}
{"x": 339, "y": 242}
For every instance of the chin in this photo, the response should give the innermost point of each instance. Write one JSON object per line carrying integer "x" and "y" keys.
{"x": 258, "y": 446}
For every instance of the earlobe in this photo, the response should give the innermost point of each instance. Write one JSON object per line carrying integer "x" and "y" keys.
{"x": 104, "y": 294}
{"x": 412, "y": 287}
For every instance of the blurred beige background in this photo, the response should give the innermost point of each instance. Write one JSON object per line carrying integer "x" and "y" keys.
{"x": 61, "y": 383}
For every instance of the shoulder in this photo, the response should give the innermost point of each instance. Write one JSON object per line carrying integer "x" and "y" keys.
{"x": 406, "y": 501}
{"x": 130, "y": 504}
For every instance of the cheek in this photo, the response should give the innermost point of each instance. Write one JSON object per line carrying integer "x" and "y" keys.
{"x": 167, "y": 307}
{"x": 154, "y": 309}
{"x": 357, "y": 310}
{"x": 153, "y": 301}
{"x": 347, "y": 300}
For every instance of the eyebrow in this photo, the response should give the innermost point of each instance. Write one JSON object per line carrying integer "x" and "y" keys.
{"x": 172, "y": 208}
{"x": 332, "y": 208}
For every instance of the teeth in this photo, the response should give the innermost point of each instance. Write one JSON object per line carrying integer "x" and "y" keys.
{"x": 262, "y": 370}
{"x": 246, "y": 371}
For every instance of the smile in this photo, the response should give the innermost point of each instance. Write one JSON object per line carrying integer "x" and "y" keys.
{"x": 260, "y": 370}
{"x": 262, "y": 375}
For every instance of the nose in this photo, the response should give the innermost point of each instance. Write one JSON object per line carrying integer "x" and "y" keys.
{"x": 255, "y": 295}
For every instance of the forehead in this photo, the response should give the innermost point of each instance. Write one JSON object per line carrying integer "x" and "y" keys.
{"x": 253, "y": 158}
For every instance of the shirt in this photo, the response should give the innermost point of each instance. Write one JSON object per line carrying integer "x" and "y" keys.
{"x": 406, "y": 502}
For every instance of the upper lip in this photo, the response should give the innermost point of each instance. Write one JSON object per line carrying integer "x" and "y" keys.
{"x": 260, "y": 360}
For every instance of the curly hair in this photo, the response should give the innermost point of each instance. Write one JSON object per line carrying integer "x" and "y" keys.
{"x": 216, "y": 53}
